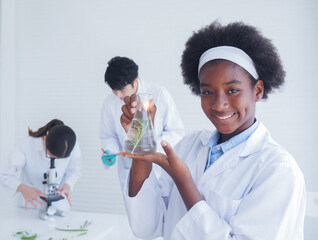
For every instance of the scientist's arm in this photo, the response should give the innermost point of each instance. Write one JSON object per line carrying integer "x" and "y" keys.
{"x": 107, "y": 128}
{"x": 181, "y": 175}
{"x": 175, "y": 167}
{"x": 12, "y": 185}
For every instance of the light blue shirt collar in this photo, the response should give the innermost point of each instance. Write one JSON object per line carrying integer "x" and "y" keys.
{"x": 217, "y": 150}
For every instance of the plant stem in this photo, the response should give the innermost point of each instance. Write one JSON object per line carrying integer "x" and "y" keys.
{"x": 143, "y": 129}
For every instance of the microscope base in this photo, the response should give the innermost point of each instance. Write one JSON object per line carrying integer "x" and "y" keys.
{"x": 43, "y": 216}
{"x": 60, "y": 213}
{"x": 48, "y": 211}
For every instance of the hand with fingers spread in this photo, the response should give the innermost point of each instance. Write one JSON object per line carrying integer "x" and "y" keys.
{"x": 31, "y": 195}
{"x": 129, "y": 110}
{"x": 172, "y": 164}
{"x": 66, "y": 189}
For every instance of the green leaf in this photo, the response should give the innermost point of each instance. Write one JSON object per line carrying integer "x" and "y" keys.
{"x": 72, "y": 230}
{"x": 34, "y": 236}
{"x": 82, "y": 234}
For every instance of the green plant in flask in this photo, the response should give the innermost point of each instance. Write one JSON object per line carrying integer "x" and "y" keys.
{"x": 140, "y": 137}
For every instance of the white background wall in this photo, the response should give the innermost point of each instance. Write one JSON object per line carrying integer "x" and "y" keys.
{"x": 54, "y": 55}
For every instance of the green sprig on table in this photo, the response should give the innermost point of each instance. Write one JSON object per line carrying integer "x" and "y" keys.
{"x": 24, "y": 235}
{"x": 72, "y": 230}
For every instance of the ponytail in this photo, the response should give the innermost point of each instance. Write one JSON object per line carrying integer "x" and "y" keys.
{"x": 43, "y": 131}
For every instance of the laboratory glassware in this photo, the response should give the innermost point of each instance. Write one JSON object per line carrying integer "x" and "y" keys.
{"x": 140, "y": 136}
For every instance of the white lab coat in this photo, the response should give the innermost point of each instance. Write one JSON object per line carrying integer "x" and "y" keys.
{"x": 167, "y": 124}
{"x": 254, "y": 191}
{"x": 29, "y": 158}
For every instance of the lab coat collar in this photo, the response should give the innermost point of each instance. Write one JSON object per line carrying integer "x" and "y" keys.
{"x": 256, "y": 141}
{"x": 206, "y": 136}
{"x": 253, "y": 144}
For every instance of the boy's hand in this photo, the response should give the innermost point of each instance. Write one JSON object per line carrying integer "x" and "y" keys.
{"x": 129, "y": 110}
{"x": 108, "y": 160}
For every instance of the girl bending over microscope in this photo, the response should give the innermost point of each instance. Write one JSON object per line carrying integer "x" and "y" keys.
{"x": 50, "y": 160}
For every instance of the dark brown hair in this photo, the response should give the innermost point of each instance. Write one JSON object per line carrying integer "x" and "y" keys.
{"x": 42, "y": 131}
{"x": 60, "y": 139}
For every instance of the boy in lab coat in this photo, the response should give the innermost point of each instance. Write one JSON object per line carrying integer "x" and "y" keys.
{"x": 235, "y": 182}
{"x": 122, "y": 77}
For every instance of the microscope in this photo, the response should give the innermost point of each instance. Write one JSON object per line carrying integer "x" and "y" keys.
{"x": 51, "y": 189}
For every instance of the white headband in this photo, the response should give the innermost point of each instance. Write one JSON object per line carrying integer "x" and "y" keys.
{"x": 232, "y": 54}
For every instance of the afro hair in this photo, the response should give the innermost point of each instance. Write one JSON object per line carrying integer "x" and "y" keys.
{"x": 245, "y": 37}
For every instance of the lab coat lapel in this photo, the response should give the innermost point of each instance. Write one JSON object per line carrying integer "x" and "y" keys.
{"x": 197, "y": 163}
{"x": 233, "y": 157}
{"x": 256, "y": 141}
{"x": 228, "y": 160}
{"x": 200, "y": 166}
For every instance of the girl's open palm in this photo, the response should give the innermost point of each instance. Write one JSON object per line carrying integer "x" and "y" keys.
{"x": 170, "y": 162}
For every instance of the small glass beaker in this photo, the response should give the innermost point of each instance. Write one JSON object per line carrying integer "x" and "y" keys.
{"x": 140, "y": 136}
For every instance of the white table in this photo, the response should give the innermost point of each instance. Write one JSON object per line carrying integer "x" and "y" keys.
{"x": 104, "y": 226}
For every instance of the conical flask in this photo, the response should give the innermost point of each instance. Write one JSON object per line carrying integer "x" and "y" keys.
{"x": 140, "y": 137}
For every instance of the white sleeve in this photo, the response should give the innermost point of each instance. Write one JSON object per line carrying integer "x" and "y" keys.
{"x": 149, "y": 205}
{"x": 173, "y": 129}
{"x": 9, "y": 170}
{"x": 73, "y": 170}
{"x": 107, "y": 130}
{"x": 273, "y": 209}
